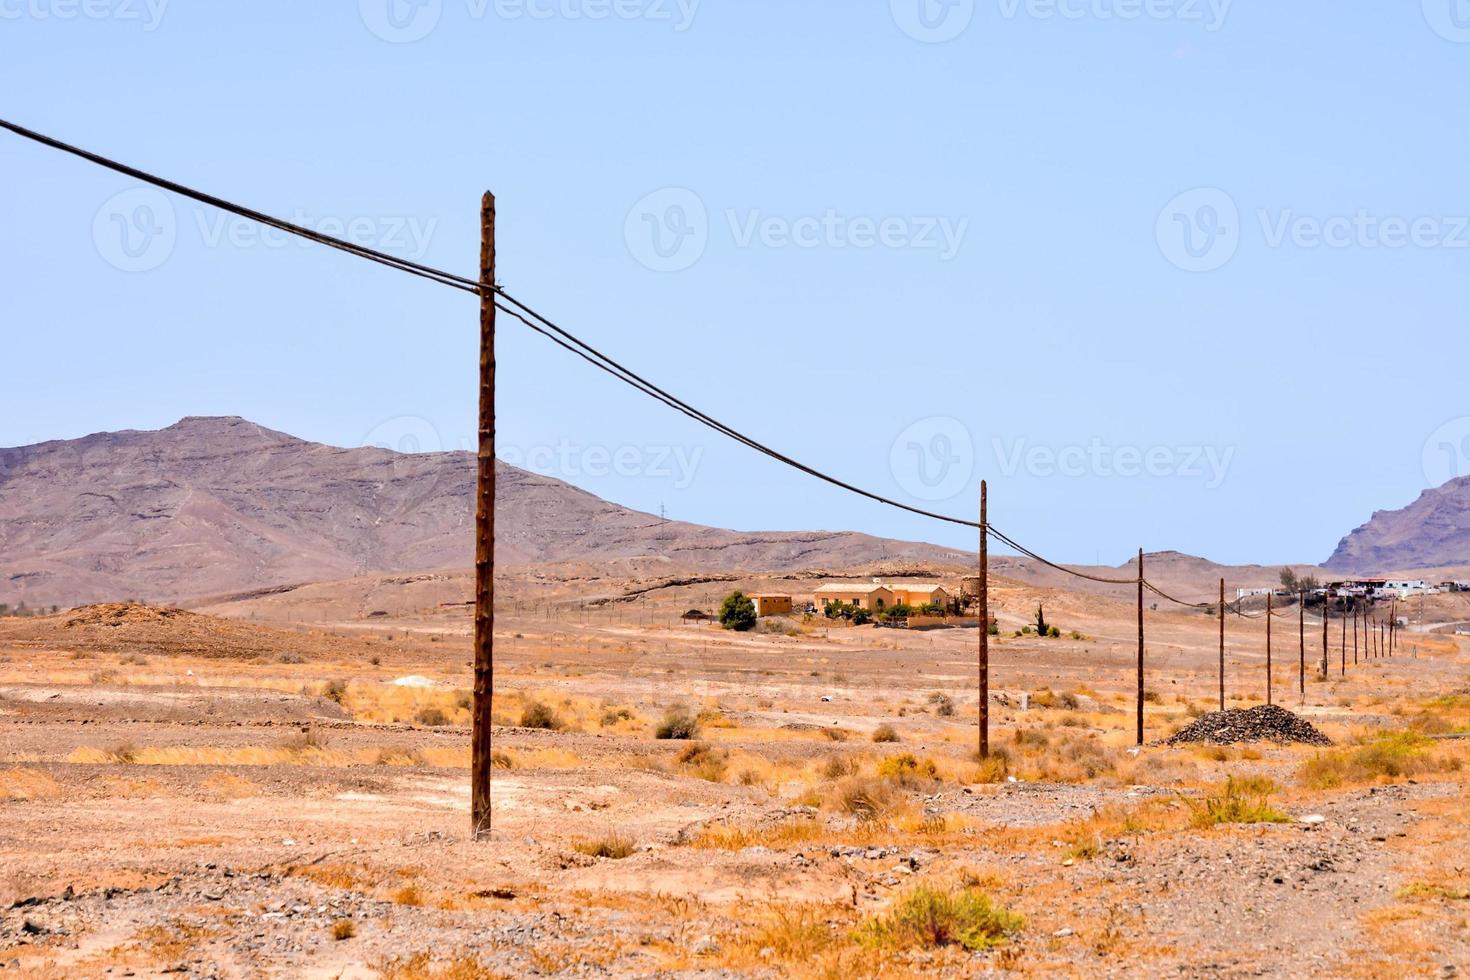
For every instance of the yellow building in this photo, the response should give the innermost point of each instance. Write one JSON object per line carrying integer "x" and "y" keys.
{"x": 770, "y": 604}
{"x": 919, "y": 594}
{"x": 871, "y": 596}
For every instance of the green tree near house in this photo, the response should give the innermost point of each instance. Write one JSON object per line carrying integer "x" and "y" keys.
{"x": 737, "y": 612}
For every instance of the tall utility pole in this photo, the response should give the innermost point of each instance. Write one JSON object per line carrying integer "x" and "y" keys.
{"x": 1342, "y": 636}
{"x": 984, "y": 600}
{"x": 1301, "y": 615}
{"x": 1325, "y": 607}
{"x": 1222, "y": 644}
{"x": 1355, "y": 633}
{"x": 1269, "y": 616}
{"x": 1140, "y": 646}
{"x": 480, "y": 738}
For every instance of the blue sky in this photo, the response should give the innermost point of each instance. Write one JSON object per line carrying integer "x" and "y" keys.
{"x": 1166, "y": 272}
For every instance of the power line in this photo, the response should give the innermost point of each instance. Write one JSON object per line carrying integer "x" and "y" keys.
{"x": 547, "y": 328}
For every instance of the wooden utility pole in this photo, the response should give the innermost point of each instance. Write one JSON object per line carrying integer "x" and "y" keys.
{"x": 1325, "y": 608}
{"x": 1355, "y": 633}
{"x": 1222, "y": 644}
{"x": 480, "y": 738}
{"x": 1342, "y": 636}
{"x": 1140, "y": 646}
{"x": 984, "y": 600}
{"x": 1301, "y": 615}
{"x": 1269, "y": 616}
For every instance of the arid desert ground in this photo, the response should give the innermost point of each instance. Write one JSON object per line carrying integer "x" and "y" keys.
{"x": 277, "y": 785}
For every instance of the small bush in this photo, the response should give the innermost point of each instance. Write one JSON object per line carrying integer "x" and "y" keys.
{"x": 995, "y": 768}
{"x": 737, "y": 612}
{"x": 864, "y": 798}
{"x": 943, "y": 704}
{"x": 334, "y": 690}
{"x": 431, "y": 716}
{"x": 906, "y": 770}
{"x": 411, "y": 895}
{"x": 1391, "y": 757}
{"x": 537, "y": 714}
{"x": 678, "y": 723}
{"x": 501, "y": 760}
{"x": 343, "y": 929}
{"x": 612, "y": 716}
{"x": 835, "y": 734}
{"x": 291, "y": 658}
{"x": 836, "y": 767}
{"x": 613, "y": 846}
{"x": 1244, "y": 801}
{"x": 705, "y": 762}
{"x": 928, "y": 918}
{"x": 885, "y": 733}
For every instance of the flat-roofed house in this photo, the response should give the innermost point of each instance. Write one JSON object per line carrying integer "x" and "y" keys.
{"x": 770, "y": 604}
{"x": 870, "y": 596}
{"x": 919, "y": 594}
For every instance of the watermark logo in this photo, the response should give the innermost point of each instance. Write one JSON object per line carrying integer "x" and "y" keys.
{"x": 668, "y": 230}
{"x": 401, "y": 21}
{"x": 566, "y": 460}
{"x": 1209, "y": 13}
{"x": 932, "y": 21}
{"x": 407, "y": 21}
{"x": 933, "y": 459}
{"x": 1207, "y": 464}
{"x": 148, "y": 13}
{"x": 136, "y": 230}
{"x": 1199, "y": 230}
{"x": 1450, "y": 19}
{"x": 1447, "y": 452}
{"x": 405, "y": 434}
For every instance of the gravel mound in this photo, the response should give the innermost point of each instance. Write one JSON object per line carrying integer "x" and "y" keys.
{"x": 1265, "y": 723}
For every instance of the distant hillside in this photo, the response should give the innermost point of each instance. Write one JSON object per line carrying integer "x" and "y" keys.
{"x": 1431, "y": 532}
{"x": 216, "y": 505}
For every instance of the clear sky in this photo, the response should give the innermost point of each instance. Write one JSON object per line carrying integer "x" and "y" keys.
{"x": 1170, "y": 273}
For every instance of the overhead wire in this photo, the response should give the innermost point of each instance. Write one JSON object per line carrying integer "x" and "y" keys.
{"x": 548, "y": 328}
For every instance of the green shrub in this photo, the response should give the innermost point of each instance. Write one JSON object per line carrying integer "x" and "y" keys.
{"x": 737, "y": 612}
{"x": 927, "y": 918}
{"x": 1240, "y": 801}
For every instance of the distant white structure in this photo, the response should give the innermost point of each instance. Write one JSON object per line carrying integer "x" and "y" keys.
{"x": 1253, "y": 593}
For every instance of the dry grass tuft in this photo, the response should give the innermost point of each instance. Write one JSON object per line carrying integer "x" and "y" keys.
{"x": 28, "y": 784}
{"x": 343, "y": 929}
{"x": 885, "y": 733}
{"x": 613, "y": 845}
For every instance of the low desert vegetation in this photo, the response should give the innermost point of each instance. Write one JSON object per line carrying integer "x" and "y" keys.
{"x": 928, "y": 917}
{"x": 1246, "y": 800}
{"x": 1387, "y": 757}
{"x": 537, "y": 714}
{"x": 612, "y": 845}
{"x": 678, "y": 724}
{"x": 885, "y": 733}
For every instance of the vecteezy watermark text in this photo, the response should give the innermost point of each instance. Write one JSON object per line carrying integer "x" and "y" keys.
{"x": 147, "y": 13}
{"x": 670, "y": 229}
{"x": 138, "y": 230}
{"x": 1209, "y": 464}
{"x": 678, "y": 464}
{"x": 407, "y": 21}
{"x": 1202, "y": 229}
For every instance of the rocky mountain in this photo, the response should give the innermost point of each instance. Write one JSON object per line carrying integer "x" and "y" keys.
{"x": 215, "y": 505}
{"x": 1432, "y": 532}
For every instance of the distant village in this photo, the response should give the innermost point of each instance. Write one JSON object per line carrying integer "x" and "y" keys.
{"x": 1362, "y": 588}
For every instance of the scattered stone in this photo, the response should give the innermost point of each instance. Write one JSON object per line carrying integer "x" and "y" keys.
{"x": 1263, "y": 723}
{"x": 705, "y": 946}
{"x": 1063, "y": 933}
{"x": 1313, "y": 819}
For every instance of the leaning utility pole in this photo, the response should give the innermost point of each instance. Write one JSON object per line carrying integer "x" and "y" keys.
{"x": 480, "y": 738}
{"x": 984, "y": 601}
{"x": 1140, "y": 646}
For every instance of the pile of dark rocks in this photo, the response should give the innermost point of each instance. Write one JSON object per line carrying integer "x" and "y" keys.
{"x": 1264, "y": 723}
